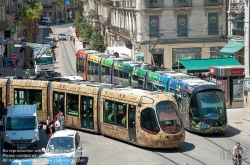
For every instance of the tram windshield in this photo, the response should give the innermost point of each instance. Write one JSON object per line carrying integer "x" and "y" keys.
{"x": 168, "y": 117}
{"x": 212, "y": 104}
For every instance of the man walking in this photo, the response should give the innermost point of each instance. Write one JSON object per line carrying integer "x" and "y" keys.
{"x": 14, "y": 68}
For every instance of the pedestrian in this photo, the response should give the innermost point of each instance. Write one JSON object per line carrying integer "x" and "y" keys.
{"x": 14, "y": 68}
{"x": 62, "y": 127}
{"x": 27, "y": 73}
{"x": 48, "y": 123}
{"x": 74, "y": 40}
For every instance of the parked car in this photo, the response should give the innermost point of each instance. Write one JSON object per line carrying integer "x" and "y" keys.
{"x": 46, "y": 21}
{"x": 62, "y": 37}
{"x": 61, "y": 21}
{"x": 65, "y": 143}
{"x": 51, "y": 41}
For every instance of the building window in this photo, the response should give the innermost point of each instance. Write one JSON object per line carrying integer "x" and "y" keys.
{"x": 213, "y": 26}
{"x": 182, "y": 25}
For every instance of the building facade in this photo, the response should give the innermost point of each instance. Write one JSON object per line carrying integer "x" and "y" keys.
{"x": 61, "y": 11}
{"x": 165, "y": 31}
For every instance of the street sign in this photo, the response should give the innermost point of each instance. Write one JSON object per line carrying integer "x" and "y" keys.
{"x": 14, "y": 57}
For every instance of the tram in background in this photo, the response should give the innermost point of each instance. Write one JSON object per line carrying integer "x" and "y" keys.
{"x": 198, "y": 114}
{"x": 144, "y": 118}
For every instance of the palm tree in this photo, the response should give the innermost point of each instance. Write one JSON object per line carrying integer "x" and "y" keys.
{"x": 30, "y": 16}
{"x": 55, "y": 4}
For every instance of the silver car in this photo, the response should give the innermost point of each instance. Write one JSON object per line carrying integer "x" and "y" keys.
{"x": 62, "y": 37}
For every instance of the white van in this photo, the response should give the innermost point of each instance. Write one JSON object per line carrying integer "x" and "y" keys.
{"x": 20, "y": 128}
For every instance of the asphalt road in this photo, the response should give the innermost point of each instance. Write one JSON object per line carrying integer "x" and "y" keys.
{"x": 196, "y": 150}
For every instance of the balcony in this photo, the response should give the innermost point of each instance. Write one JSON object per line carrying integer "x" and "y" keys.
{"x": 125, "y": 32}
{"x": 153, "y": 3}
{"x": 127, "y": 3}
{"x": 182, "y": 3}
{"x": 238, "y": 32}
{"x": 237, "y": 7}
{"x": 11, "y": 9}
{"x": 4, "y": 25}
{"x": 213, "y": 2}
{"x": 114, "y": 29}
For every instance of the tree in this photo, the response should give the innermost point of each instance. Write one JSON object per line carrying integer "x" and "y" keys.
{"x": 30, "y": 16}
{"x": 87, "y": 32}
{"x": 55, "y": 4}
{"x": 97, "y": 40}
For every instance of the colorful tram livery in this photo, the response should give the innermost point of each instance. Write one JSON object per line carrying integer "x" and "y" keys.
{"x": 144, "y": 118}
{"x": 201, "y": 103}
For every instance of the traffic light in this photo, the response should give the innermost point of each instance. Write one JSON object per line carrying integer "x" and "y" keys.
{"x": 7, "y": 33}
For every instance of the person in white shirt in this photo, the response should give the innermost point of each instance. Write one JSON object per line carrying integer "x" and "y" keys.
{"x": 57, "y": 125}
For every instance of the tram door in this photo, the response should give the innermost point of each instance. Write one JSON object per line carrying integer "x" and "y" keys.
{"x": 87, "y": 112}
{"x": 131, "y": 123}
{"x": 183, "y": 112}
{"x": 58, "y": 103}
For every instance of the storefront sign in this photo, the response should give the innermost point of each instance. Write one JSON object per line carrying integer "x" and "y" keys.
{"x": 185, "y": 54}
{"x": 157, "y": 51}
{"x": 247, "y": 85}
{"x": 187, "y": 50}
{"x": 237, "y": 71}
{"x": 212, "y": 71}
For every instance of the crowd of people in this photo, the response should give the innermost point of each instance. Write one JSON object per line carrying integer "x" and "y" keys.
{"x": 55, "y": 125}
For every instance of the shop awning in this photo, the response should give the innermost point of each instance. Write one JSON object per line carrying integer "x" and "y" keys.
{"x": 231, "y": 48}
{"x": 203, "y": 65}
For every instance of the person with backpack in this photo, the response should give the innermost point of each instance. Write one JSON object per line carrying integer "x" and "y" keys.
{"x": 14, "y": 68}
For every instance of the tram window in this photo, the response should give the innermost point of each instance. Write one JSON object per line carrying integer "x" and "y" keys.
{"x": 135, "y": 78}
{"x": 116, "y": 73}
{"x": 114, "y": 112}
{"x": 194, "y": 110}
{"x": 109, "y": 111}
{"x": 58, "y": 102}
{"x": 80, "y": 64}
{"x": 28, "y": 96}
{"x": 90, "y": 67}
{"x": 120, "y": 113}
{"x": 105, "y": 70}
{"x": 140, "y": 83}
{"x": 150, "y": 86}
{"x": 72, "y": 104}
{"x": 149, "y": 122}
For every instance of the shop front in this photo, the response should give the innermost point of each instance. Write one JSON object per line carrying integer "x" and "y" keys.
{"x": 185, "y": 54}
{"x": 158, "y": 57}
{"x": 231, "y": 79}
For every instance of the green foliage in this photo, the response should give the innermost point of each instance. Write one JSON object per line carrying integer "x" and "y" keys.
{"x": 87, "y": 32}
{"x": 32, "y": 12}
{"x": 97, "y": 40}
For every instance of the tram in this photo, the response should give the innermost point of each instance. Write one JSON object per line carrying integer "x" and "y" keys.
{"x": 144, "y": 118}
{"x": 201, "y": 103}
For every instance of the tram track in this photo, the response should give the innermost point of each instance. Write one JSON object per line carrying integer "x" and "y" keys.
{"x": 62, "y": 43}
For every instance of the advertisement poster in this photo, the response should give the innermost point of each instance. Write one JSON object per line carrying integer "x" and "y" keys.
{"x": 238, "y": 89}
{"x": 223, "y": 84}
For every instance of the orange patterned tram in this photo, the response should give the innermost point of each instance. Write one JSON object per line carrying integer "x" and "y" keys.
{"x": 144, "y": 118}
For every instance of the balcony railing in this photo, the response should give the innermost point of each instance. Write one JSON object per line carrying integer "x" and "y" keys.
{"x": 235, "y": 7}
{"x": 238, "y": 32}
{"x": 11, "y": 9}
{"x": 153, "y": 3}
{"x": 124, "y": 32}
{"x": 4, "y": 25}
{"x": 182, "y": 3}
{"x": 114, "y": 28}
{"x": 213, "y": 2}
{"x": 127, "y": 3}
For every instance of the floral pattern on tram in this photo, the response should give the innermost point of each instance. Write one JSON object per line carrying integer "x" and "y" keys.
{"x": 81, "y": 54}
{"x": 179, "y": 86}
{"x": 154, "y": 77}
{"x": 94, "y": 58}
{"x": 139, "y": 72}
{"x": 206, "y": 128}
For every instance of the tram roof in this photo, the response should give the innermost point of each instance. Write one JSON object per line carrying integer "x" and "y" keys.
{"x": 177, "y": 75}
{"x": 135, "y": 91}
{"x": 197, "y": 82}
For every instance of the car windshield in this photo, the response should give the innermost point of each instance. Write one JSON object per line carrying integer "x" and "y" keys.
{"x": 45, "y": 60}
{"x": 168, "y": 117}
{"x": 212, "y": 104}
{"x": 48, "y": 39}
{"x": 62, "y": 35}
{"x": 21, "y": 123}
{"x": 60, "y": 145}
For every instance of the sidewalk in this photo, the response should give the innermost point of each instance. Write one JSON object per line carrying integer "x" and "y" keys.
{"x": 7, "y": 71}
